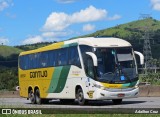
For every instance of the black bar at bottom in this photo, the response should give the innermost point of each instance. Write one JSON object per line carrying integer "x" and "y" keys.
{"x": 79, "y": 110}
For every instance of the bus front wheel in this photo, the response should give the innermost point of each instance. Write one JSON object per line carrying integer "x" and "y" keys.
{"x": 117, "y": 101}
{"x": 80, "y": 97}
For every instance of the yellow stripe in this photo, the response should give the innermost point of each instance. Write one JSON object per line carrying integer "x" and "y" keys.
{"x": 107, "y": 85}
{"x": 49, "y": 47}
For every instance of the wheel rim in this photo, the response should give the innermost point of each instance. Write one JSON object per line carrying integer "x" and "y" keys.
{"x": 37, "y": 97}
{"x": 31, "y": 97}
{"x": 80, "y": 97}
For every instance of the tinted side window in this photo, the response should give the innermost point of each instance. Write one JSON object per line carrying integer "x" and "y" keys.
{"x": 84, "y": 49}
{"x": 74, "y": 56}
{"x": 52, "y": 58}
{"x": 21, "y": 62}
{"x": 89, "y": 67}
{"x": 87, "y": 61}
{"x": 32, "y": 61}
{"x": 62, "y": 57}
{"x": 43, "y": 59}
{"x": 24, "y": 62}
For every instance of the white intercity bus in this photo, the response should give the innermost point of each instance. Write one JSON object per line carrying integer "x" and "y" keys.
{"x": 92, "y": 68}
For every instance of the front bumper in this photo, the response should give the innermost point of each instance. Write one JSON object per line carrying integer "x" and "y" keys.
{"x": 104, "y": 94}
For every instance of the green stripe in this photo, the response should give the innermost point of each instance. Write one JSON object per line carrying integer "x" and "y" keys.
{"x": 129, "y": 84}
{"x": 69, "y": 45}
{"x": 55, "y": 79}
{"x": 62, "y": 79}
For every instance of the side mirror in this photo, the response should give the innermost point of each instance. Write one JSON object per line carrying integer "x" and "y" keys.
{"x": 141, "y": 57}
{"x": 94, "y": 57}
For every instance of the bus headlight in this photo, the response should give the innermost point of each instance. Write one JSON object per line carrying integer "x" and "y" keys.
{"x": 137, "y": 84}
{"x": 99, "y": 86}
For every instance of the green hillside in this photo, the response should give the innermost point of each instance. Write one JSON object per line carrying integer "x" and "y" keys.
{"x": 6, "y": 51}
{"x": 131, "y": 30}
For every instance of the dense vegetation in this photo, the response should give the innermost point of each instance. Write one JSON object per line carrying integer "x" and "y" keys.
{"x": 8, "y": 78}
{"x": 132, "y": 32}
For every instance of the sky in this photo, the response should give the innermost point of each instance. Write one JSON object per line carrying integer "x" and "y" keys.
{"x": 31, "y": 21}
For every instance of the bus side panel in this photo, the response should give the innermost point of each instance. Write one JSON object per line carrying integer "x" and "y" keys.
{"x": 66, "y": 78}
{"x": 58, "y": 81}
{"x": 39, "y": 78}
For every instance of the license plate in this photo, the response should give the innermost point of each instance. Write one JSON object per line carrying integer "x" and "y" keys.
{"x": 121, "y": 95}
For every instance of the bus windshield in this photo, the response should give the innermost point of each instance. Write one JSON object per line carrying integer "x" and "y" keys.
{"x": 116, "y": 65}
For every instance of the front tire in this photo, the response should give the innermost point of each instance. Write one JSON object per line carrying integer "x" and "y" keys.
{"x": 80, "y": 97}
{"x": 117, "y": 101}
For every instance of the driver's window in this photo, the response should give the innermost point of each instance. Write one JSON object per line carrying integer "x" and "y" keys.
{"x": 89, "y": 67}
{"x": 106, "y": 61}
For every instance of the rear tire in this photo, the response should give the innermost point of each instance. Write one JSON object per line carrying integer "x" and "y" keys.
{"x": 80, "y": 97}
{"x": 117, "y": 101}
{"x": 37, "y": 97}
{"x": 31, "y": 97}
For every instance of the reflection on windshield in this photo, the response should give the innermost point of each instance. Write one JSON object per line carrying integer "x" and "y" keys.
{"x": 115, "y": 65}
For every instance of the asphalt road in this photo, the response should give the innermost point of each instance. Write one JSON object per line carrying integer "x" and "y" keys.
{"x": 140, "y": 102}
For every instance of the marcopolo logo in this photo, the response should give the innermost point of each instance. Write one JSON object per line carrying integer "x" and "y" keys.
{"x": 38, "y": 74}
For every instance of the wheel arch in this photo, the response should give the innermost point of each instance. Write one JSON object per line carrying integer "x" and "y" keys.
{"x": 35, "y": 88}
{"x": 77, "y": 87}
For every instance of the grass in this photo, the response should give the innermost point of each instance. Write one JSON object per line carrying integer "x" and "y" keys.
{"x": 8, "y": 50}
{"x": 127, "y": 29}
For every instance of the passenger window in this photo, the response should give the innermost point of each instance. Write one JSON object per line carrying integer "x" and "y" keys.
{"x": 26, "y": 62}
{"x": 44, "y": 59}
{"x": 63, "y": 57}
{"x": 32, "y": 61}
{"x": 74, "y": 56}
{"x": 22, "y": 62}
{"x": 52, "y": 58}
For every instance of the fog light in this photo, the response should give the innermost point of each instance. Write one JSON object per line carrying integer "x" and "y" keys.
{"x": 102, "y": 94}
{"x": 136, "y": 93}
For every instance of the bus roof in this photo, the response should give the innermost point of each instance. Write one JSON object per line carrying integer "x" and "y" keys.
{"x": 100, "y": 42}
{"x": 90, "y": 41}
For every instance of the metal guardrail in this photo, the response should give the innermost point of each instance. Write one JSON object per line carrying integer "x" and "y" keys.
{"x": 144, "y": 83}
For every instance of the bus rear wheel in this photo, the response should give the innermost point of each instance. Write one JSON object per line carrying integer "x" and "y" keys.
{"x": 31, "y": 97}
{"x": 117, "y": 101}
{"x": 37, "y": 97}
{"x": 80, "y": 97}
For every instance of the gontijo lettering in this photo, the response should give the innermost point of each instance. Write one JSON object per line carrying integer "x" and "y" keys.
{"x": 38, "y": 74}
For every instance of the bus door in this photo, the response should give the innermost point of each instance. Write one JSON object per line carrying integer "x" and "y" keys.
{"x": 90, "y": 72}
